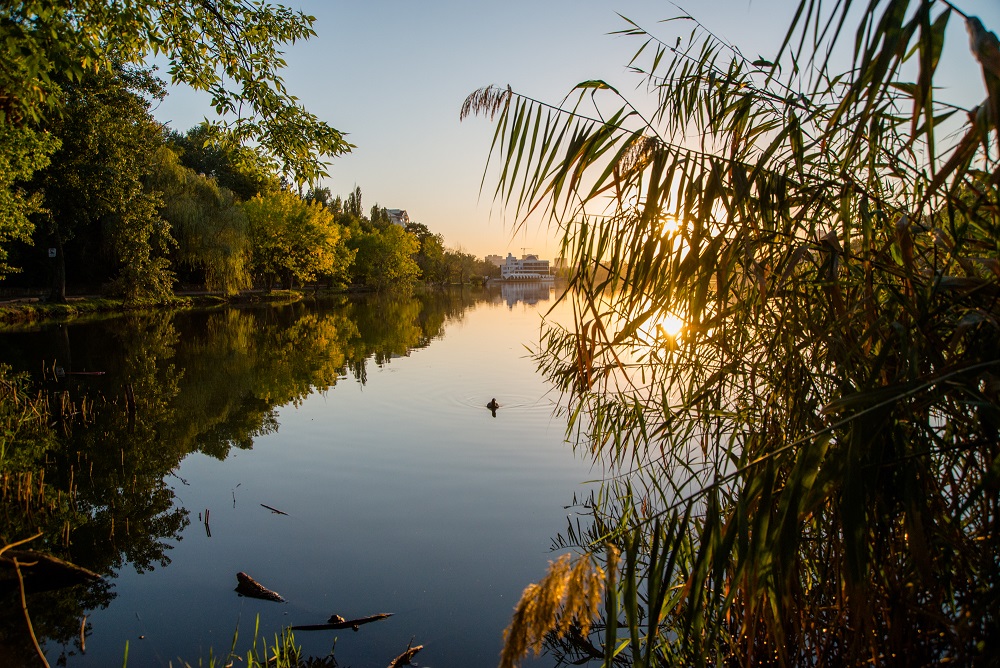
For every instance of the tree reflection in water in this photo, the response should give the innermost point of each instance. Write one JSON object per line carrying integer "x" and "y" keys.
{"x": 172, "y": 384}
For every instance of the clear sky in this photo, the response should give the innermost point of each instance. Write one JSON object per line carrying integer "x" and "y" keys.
{"x": 393, "y": 75}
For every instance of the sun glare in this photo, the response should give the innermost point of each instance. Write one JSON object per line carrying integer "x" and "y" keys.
{"x": 671, "y": 225}
{"x": 670, "y": 326}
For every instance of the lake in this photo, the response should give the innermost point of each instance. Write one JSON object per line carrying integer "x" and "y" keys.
{"x": 363, "y": 420}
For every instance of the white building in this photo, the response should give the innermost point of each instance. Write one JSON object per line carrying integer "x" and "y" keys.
{"x": 529, "y": 267}
{"x": 398, "y": 217}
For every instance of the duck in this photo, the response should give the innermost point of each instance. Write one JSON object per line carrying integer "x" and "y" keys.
{"x": 493, "y": 405}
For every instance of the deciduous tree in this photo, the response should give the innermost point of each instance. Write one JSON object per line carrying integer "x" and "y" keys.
{"x": 212, "y": 152}
{"x": 206, "y": 221}
{"x": 98, "y": 212}
{"x": 384, "y": 258}
{"x": 22, "y": 152}
{"x": 293, "y": 239}
{"x": 228, "y": 48}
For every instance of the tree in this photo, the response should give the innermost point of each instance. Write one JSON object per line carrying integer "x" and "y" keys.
{"x": 206, "y": 221}
{"x": 380, "y": 217}
{"x": 294, "y": 239}
{"x": 97, "y": 208}
{"x": 22, "y": 152}
{"x": 384, "y": 258}
{"x": 353, "y": 205}
{"x": 228, "y": 48}
{"x": 461, "y": 266}
{"x": 214, "y": 153}
{"x": 431, "y": 255}
{"x": 321, "y": 195}
{"x": 805, "y": 471}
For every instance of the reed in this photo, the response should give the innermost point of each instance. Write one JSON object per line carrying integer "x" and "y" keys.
{"x": 805, "y": 473}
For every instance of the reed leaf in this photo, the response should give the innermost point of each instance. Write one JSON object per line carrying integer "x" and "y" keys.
{"x": 808, "y": 473}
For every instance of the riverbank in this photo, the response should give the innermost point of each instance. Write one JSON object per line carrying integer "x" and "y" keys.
{"x": 33, "y": 309}
{"x": 30, "y": 309}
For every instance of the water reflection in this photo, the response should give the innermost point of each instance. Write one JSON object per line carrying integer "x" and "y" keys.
{"x": 530, "y": 293}
{"x": 101, "y": 487}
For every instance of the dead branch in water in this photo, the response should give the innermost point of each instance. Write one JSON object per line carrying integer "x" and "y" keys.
{"x": 404, "y": 658}
{"x": 273, "y": 510}
{"x": 338, "y": 622}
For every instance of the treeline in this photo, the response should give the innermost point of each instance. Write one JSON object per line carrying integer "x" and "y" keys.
{"x": 102, "y": 197}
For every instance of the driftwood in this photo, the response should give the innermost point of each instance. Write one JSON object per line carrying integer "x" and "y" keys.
{"x": 41, "y": 572}
{"x": 338, "y": 622}
{"x": 273, "y": 510}
{"x": 252, "y": 589}
{"x": 404, "y": 658}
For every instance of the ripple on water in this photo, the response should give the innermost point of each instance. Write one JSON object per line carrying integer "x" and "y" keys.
{"x": 454, "y": 394}
{"x": 509, "y": 402}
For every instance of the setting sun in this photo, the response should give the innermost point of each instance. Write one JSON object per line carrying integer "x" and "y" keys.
{"x": 670, "y": 326}
{"x": 671, "y": 225}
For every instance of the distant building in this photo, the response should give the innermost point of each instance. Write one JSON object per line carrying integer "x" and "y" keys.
{"x": 495, "y": 260}
{"x": 529, "y": 268}
{"x": 398, "y": 217}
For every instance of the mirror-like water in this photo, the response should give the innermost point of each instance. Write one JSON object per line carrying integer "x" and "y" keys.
{"x": 362, "y": 419}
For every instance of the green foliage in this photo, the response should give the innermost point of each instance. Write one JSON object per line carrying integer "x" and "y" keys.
{"x": 352, "y": 206}
{"x": 321, "y": 196}
{"x": 384, "y": 258}
{"x": 431, "y": 255}
{"x": 22, "y": 152}
{"x": 228, "y": 48}
{"x": 807, "y": 472}
{"x": 211, "y": 152}
{"x": 294, "y": 239}
{"x": 460, "y": 266}
{"x": 205, "y": 219}
{"x": 380, "y": 217}
{"x": 95, "y": 187}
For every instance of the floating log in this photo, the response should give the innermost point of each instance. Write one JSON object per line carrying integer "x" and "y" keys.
{"x": 273, "y": 510}
{"x": 338, "y": 622}
{"x": 41, "y": 572}
{"x": 404, "y": 658}
{"x": 252, "y": 589}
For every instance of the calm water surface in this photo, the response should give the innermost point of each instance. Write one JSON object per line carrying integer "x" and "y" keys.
{"x": 364, "y": 420}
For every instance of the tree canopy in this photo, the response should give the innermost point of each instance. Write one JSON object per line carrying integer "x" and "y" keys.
{"x": 24, "y": 152}
{"x": 95, "y": 187}
{"x": 294, "y": 239}
{"x": 207, "y": 222}
{"x": 227, "y": 48}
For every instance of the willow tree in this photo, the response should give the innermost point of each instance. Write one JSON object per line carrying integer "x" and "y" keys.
{"x": 807, "y": 471}
{"x": 206, "y": 221}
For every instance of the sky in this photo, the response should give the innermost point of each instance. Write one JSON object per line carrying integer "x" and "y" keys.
{"x": 392, "y": 75}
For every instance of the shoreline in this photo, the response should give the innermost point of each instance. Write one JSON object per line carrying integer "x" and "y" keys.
{"x": 29, "y": 310}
